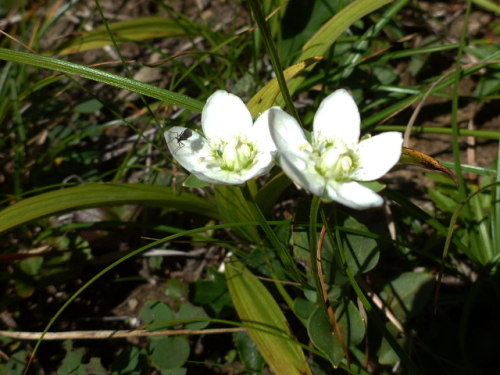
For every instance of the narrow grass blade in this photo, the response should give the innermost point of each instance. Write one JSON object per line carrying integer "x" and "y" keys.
{"x": 102, "y": 76}
{"x": 136, "y": 29}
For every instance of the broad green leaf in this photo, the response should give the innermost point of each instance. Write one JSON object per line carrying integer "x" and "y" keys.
{"x": 189, "y": 311}
{"x": 135, "y": 29}
{"x": 101, "y": 76}
{"x": 169, "y": 352}
{"x": 131, "y": 361}
{"x": 212, "y": 293}
{"x": 177, "y": 290}
{"x": 265, "y": 321}
{"x": 352, "y": 328}
{"x": 72, "y": 360}
{"x": 249, "y": 354}
{"x": 16, "y": 364}
{"x": 303, "y": 309}
{"x": 361, "y": 253}
{"x": 387, "y": 355}
{"x": 408, "y": 294}
{"x": 156, "y": 315}
{"x": 94, "y": 367}
{"x": 98, "y": 195}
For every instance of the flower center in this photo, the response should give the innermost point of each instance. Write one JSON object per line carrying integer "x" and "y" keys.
{"x": 235, "y": 154}
{"x": 335, "y": 160}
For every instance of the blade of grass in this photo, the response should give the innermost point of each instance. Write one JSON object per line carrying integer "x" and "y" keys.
{"x": 273, "y": 54}
{"x": 102, "y": 76}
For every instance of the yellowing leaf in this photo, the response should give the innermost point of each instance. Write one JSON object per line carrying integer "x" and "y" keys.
{"x": 257, "y": 308}
{"x": 412, "y": 157}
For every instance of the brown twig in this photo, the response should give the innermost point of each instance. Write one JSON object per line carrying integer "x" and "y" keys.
{"x": 100, "y": 335}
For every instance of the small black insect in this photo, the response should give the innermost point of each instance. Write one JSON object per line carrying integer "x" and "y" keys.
{"x": 185, "y": 135}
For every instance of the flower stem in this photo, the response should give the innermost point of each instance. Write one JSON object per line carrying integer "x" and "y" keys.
{"x": 283, "y": 253}
{"x": 313, "y": 243}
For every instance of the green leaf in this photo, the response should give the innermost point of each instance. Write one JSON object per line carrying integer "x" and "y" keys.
{"x": 387, "y": 355}
{"x": 176, "y": 289}
{"x": 408, "y": 294}
{"x": 352, "y": 328}
{"x": 194, "y": 182}
{"x": 131, "y": 361}
{"x": 94, "y": 367}
{"x": 361, "y": 253}
{"x": 89, "y": 106}
{"x": 266, "y": 323}
{"x": 175, "y": 371}
{"x": 155, "y": 312}
{"x": 31, "y": 266}
{"x": 303, "y": 309}
{"x": 249, "y": 354}
{"x": 72, "y": 360}
{"x": 189, "y": 311}
{"x": 98, "y": 195}
{"x": 16, "y": 363}
{"x": 213, "y": 293}
{"x": 169, "y": 352}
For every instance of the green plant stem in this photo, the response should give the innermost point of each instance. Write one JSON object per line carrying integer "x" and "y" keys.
{"x": 285, "y": 256}
{"x": 433, "y": 130}
{"x": 454, "y": 110}
{"x": 313, "y": 244}
{"x": 255, "y": 5}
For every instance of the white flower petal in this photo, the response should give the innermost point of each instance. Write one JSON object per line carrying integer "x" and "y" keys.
{"x": 225, "y": 115}
{"x": 286, "y": 131}
{"x": 262, "y": 133}
{"x": 300, "y": 169}
{"x": 338, "y": 117}
{"x": 354, "y": 195}
{"x": 297, "y": 160}
{"x": 195, "y": 157}
{"x": 188, "y": 152}
{"x": 377, "y": 155}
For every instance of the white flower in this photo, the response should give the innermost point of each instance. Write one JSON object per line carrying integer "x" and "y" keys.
{"x": 234, "y": 149}
{"x": 335, "y": 160}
